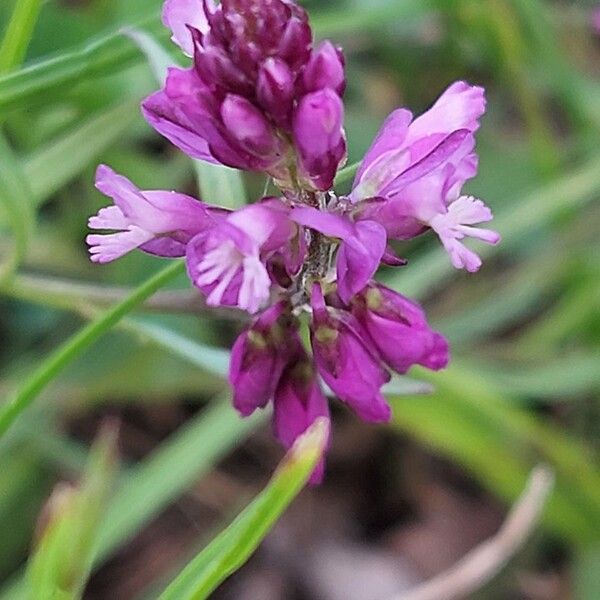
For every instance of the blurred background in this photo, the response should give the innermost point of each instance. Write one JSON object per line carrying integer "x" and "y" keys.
{"x": 400, "y": 502}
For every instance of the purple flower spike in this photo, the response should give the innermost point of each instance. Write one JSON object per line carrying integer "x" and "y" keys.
{"x": 157, "y": 222}
{"x": 258, "y": 358}
{"x": 399, "y": 331}
{"x": 346, "y": 361}
{"x": 227, "y": 262}
{"x": 298, "y": 403}
{"x": 325, "y": 69}
{"x": 319, "y": 135}
{"x": 362, "y": 249}
{"x": 260, "y": 97}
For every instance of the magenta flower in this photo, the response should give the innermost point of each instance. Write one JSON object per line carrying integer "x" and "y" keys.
{"x": 411, "y": 178}
{"x": 346, "y": 361}
{"x": 258, "y": 97}
{"x": 258, "y": 358}
{"x": 160, "y": 223}
{"x": 398, "y": 329}
{"x": 228, "y": 261}
{"x": 319, "y": 135}
{"x": 298, "y": 402}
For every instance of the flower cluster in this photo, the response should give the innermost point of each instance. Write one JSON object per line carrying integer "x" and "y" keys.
{"x": 260, "y": 97}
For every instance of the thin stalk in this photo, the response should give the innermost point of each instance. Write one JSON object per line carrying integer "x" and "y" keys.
{"x": 81, "y": 341}
{"x": 346, "y": 174}
{"x": 69, "y": 295}
{"x": 18, "y": 34}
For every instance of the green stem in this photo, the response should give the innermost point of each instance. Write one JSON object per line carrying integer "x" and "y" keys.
{"x": 14, "y": 200}
{"x": 18, "y": 34}
{"x": 64, "y": 294}
{"x": 346, "y": 174}
{"x": 73, "y": 347}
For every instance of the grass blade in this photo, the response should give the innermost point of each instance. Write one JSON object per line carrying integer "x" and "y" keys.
{"x": 104, "y": 56}
{"x": 16, "y": 205}
{"x": 82, "y": 340}
{"x": 53, "y": 166}
{"x": 18, "y": 33}
{"x": 174, "y": 467}
{"x": 220, "y": 185}
{"x": 535, "y": 211}
{"x": 230, "y": 550}
{"x": 62, "y": 562}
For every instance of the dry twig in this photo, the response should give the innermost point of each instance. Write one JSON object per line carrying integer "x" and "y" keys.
{"x": 486, "y": 560}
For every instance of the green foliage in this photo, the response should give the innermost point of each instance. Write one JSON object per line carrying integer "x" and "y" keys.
{"x": 523, "y": 386}
{"x": 18, "y": 34}
{"x": 63, "y": 556}
{"x": 230, "y": 550}
{"x": 15, "y": 205}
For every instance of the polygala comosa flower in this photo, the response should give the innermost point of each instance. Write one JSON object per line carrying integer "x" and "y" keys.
{"x": 259, "y": 96}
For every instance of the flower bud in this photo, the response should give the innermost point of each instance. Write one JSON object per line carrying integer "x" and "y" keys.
{"x": 399, "y": 330}
{"x": 296, "y": 43}
{"x": 275, "y": 89}
{"x": 325, "y": 69}
{"x": 298, "y": 403}
{"x": 319, "y": 136}
{"x": 248, "y": 127}
{"x": 346, "y": 361}
{"x": 217, "y": 69}
{"x": 258, "y": 358}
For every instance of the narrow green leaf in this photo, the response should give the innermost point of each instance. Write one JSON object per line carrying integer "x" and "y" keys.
{"x": 63, "y": 559}
{"x": 514, "y": 296}
{"x": 18, "y": 33}
{"x": 365, "y": 15}
{"x": 158, "y": 58}
{"x": 232, "y": 548}
{"x": 16, "y": 206}
{"x": 178, "y": 463}
{"x": 104, "y": 56}
{"x": 53, "y": 166}
{"x": 212, "y": 360}
{"x": 567, "y": 375}
{"x": 499, "y": 442}
{"x": 172, "y": 469}
{"x": 80, "y": 342}
{"x": 462, "y": 433}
